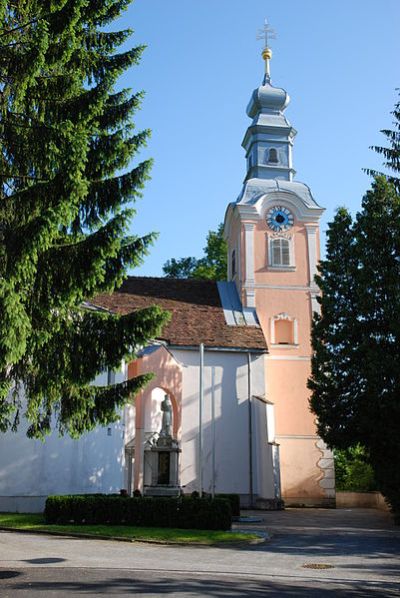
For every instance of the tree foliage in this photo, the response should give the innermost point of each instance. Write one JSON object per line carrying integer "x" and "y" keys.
{"x": 356, "y": 364}
{"x": 213, "y": 266}
{"x": 353, "y": 473}
{"x": 355, "y": 379}
{"x": 67, "y": 141}
{"x": 390, "y": 152}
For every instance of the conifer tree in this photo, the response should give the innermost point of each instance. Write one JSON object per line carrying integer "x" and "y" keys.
{"x": 355, "y": 379}
{"x": 67, "y": 141}
{"x": 390, "y": 153}
{"x": 333, "y": 383}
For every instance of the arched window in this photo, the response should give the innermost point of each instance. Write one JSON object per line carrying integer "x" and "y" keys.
{"x": 233, "y": 263}
{"x": 273, "y": 155}
{"x": 280, "y": 252}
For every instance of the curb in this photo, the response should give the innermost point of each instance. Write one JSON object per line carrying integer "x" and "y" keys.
{"x": 236, "y": 543}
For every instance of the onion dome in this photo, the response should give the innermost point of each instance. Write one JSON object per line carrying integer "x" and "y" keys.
{"x": 267, "y": 99}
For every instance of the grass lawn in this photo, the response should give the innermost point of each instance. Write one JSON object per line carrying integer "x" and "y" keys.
{"x": 35, "y": 522}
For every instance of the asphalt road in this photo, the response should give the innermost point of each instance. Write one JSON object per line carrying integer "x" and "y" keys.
{"x": 360, "y": 547}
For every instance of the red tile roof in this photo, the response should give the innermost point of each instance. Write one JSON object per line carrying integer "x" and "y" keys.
{"x": 197, "y": 314}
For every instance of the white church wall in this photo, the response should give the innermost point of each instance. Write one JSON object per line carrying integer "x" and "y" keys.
{"x": 225, "y": 383}
{"x": 130, "y": 422}
{"x": 262, "y": 424}
{"x": 30, "y": 469}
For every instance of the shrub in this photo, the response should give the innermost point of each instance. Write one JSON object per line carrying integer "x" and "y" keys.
{"x": 186, "y": 513}
{"x": 234, "y": 500}
{"x": 352, "y": 471}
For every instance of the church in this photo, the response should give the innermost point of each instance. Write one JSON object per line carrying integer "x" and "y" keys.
{"x": 227, "y": 409}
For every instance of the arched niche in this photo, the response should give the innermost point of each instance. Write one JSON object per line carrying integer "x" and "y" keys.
{"x": 153, "y": 414}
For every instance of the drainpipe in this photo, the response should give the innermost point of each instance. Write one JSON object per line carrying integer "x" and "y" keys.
{"x": 250, "y": 404}
{"x": 213, "y": 429}
{"x": 201, "y": 397}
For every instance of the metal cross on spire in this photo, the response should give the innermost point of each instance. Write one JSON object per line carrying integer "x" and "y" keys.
{"x": 266, "y": 33}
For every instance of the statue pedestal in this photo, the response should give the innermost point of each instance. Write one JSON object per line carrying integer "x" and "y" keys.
{"x": 161, "y": 467}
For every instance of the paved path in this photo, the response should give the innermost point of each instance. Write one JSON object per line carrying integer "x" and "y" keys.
{"x": 362, "y": 546}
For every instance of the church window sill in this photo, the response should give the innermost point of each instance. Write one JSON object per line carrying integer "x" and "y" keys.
{"x": 283, "y": 346}
{"x": 282, "y": 268}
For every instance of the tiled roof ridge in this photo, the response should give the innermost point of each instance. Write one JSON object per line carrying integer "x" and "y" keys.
{"x": 183, "y": 280}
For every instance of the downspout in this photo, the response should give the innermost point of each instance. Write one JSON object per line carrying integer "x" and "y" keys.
{"x": 201, "y": 397}
{"x": 213, "y": 429}
{"x": 250, "y": 418}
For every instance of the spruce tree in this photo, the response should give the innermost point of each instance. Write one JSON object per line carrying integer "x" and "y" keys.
{"x": 391, "y": 152}
{"x": 67, "y": 141}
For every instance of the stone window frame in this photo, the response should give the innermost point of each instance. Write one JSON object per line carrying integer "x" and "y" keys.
{"x": 286, "y": 317}
{"x": 289, "y": 237}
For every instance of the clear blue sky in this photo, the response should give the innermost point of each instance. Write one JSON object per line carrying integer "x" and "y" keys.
{"x": 339, "y": 61}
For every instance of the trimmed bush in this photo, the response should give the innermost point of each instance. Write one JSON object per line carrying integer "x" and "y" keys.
{"x": 234, "y": 500}
{"x": 184, "y": 513}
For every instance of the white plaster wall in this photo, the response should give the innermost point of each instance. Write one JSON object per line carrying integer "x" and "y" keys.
{"x": 130, "y": 426}
{"x": 225, "y": 377}
{"x": 60, "y": 465}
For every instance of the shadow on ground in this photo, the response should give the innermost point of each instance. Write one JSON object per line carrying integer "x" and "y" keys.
{"x": 63, "y": 582}
{"x": 321, "y": 534}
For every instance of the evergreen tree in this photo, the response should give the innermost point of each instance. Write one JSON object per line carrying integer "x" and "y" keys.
{"x": 390, "y": 153}
{"x": 356, "y": 364}
{"x": 333, "y": 382}
{"x": 213, "y": 266}
{"x": 66, "y": 136}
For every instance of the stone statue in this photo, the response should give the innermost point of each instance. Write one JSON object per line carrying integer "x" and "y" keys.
{"x": 166, "y": 425}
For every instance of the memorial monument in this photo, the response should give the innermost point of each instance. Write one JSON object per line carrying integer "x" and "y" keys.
{"x": 161, "y": 458}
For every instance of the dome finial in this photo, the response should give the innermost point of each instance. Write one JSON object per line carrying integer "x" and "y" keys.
{"x": 266, "y": 33}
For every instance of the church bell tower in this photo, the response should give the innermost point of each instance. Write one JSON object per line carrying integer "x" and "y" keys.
{"x": 272, "y": 232}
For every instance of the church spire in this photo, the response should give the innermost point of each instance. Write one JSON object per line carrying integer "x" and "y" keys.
{"x": 269, "y": 139}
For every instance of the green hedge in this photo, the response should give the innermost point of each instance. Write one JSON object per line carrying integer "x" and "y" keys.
{"x": 184, "y": 513}
{"x": 234, "y": 500}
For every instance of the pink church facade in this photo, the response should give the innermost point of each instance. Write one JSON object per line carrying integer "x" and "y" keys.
{"x": 284, "y": 299}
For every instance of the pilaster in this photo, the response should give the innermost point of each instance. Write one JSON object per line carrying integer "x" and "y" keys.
{"x": 311, "y": 230}
{"x": 249, "y": 264}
